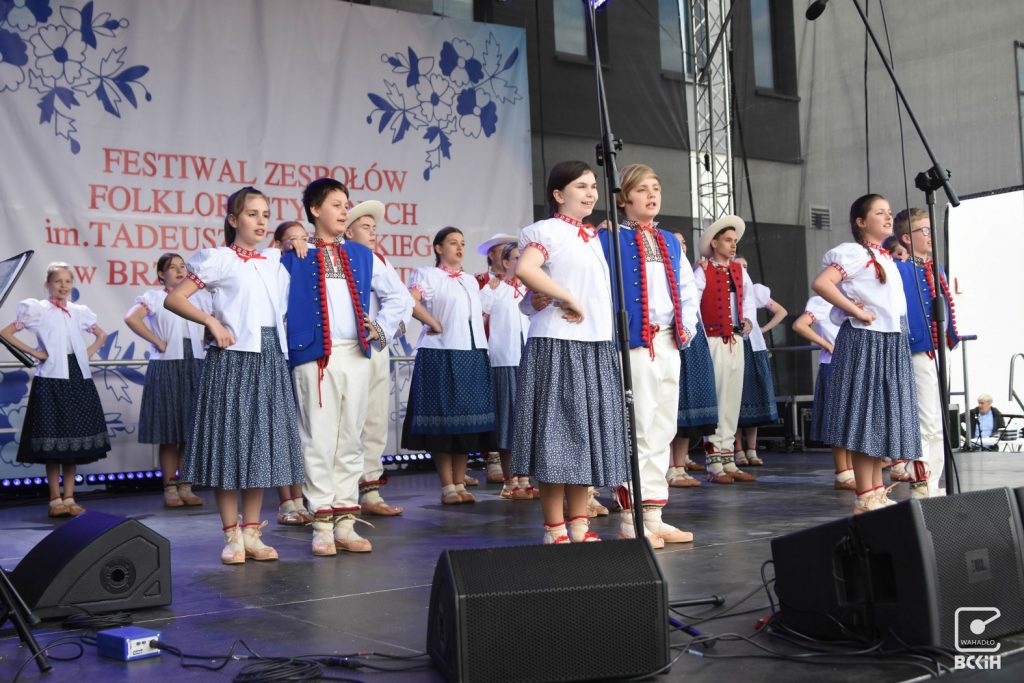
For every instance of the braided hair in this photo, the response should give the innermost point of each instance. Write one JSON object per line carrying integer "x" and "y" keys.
{"x": 859, "y": 210}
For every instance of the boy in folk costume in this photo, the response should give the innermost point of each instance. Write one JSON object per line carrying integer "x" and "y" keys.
{"x": 491, "y": 249}
{"x": 726, "y": 309}
{"x": 913, "y": 228}
{"x": 331, "y": 340}
{"x": 361, "y": 227}
{"x": 661, "y": 304}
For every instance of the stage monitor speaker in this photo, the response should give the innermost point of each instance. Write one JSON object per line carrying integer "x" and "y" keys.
{"x": 549, "y": 613}
{"x": 904, "y": 572}
{"x": 953, "y": 422}
{"x": 96, "y": 561}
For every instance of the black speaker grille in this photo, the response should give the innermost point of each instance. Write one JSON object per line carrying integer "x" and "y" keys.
{"x": 564, "y": 613}
{"x": 976, "y": 538}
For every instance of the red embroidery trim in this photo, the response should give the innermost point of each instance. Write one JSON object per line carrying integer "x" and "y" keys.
{"x": 568, "y": 219}
{"x": 455, "y": 274}
{"x": 195, "y": 278}
{"x": 842, "y": 271}
{"x": 585, "y": 232}
{"x": 811, "y": 316}
{"x": 515, "y": 284}
{"x": 247, "y": 255}
{"x": 539, "y": 247}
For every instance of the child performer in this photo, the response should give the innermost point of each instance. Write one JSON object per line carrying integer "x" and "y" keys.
{"x": 492, "y": 250}
{"x": 361, "y": 227}
{"x": 661, "y": 303}
{"x": 331, "y": 341}
{"x": 451, "y": 401}
{"x": 570, "y": 418}
{"x": 509, "y": 328}
{"x": 172, "y": 376}
{"x": 64, "y": 426}
{"x": 914, "y": 230}
{"x": 816, "y": 326}
{"x": 291, "y": 509}
{"x": 871, "y": 403}
{"x": 757, "y": 407}
{"x": 698, "y": 405}
{"x": 244, "y": 435}
{"x": 726, "y": 309}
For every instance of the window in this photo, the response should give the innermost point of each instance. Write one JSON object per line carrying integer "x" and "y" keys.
{"x": 763, "y": 32}
{"x": 570, "y": 28}
{"x": 1020, "y": 97}
{"x": 675, "y": 45}
{"x": 456, "y": 9}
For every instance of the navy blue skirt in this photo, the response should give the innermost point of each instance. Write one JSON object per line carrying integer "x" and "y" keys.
{"x": 757, "y": 407}
{"x": 64, "y": 422}
{"x": 168, "y": 398}
{"x": 698, "y": 401}
{"x": 504, "y": 381}
{"x": 872, "y": 403}
{"x": 818, "y": 408}
{"x": 570, "y": 421}
{"x": 451, "y": 403}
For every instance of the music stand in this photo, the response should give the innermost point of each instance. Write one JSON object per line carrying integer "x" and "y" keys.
{"x": 10, "y": 270}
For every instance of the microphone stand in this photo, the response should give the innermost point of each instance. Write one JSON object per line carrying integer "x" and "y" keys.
{"x": 606, "y": 151}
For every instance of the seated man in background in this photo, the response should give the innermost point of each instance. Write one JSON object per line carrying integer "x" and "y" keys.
{"x": 985, "y": 422}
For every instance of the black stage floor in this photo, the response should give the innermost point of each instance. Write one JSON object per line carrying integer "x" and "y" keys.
{"x": 378, "y": 601}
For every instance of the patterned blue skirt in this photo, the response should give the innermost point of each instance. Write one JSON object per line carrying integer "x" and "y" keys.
{"x": 570, "y": 422}
{"x": 166, "y": 411}
{"x": 451, "y": 403}
{"x": 872, "y": 404}
{"x": 757, "y": 407}
{"x": 245, "y": 434}
{"x": 64, "y": 422}
{"x": 504, "y": 381}
{"x": 820, "y": 396}
{"x": 698, "y": 401}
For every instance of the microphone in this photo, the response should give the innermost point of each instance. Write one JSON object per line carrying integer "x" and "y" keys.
{"x": 815, "y": 9}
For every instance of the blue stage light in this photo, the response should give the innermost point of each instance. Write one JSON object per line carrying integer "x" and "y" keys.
{"x": 5, "y": 483}
{"x": 79, "y": 478}
{"x": 130, "y": 475}
{"x": 37, "y": 481}
{"x": 16, "y": 481}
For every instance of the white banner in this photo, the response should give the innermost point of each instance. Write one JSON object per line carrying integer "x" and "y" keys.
{"x": 126, "y": 124}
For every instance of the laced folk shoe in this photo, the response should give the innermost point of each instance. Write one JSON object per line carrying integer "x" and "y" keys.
{"x": 234, "y": 550}
{"x": 254, "y": 547}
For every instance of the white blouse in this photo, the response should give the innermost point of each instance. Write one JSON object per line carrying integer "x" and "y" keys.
{"x": 860, "y": 283}
{"x": 249, "y": 290}
{"x": 54, "y": 330}
{"x": 172, "y": 328}
{"x": 574, "y": 259}
{"x": 394, "y": 325}
{"x": 453, "y": 299}
{"x": 820, "y": 312}
{"x": 762, "y": 297}
{"x": 509, "y": 327}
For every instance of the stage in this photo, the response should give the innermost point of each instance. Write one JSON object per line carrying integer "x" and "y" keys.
{"x": 378, "y": 601}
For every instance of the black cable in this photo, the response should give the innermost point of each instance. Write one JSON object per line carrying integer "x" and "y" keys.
{"x": 97, "y": 622}
{"x": 183, "y": 656}
{"x": 45, "y": 650}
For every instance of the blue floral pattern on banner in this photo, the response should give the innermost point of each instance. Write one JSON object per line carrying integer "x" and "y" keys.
{"x": 62, "y": 62}
{"x": 455, "y": 93}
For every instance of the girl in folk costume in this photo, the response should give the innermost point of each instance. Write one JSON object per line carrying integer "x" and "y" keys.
{"x": 361, "y": 227}
{"x": 64, "y": 425}
{"x": 244, "y": 435}
{"x": 698, "y": 404}
{"x": 871, "y": 404}
{"x": 291, "y": 509}
{"x": 570, "y": 419}
{"x": 661, "y": 304}
{"x": 509, "y": 328}
{"x": 726, "y": 309}
{"x": 816, "y": 326}
{"x": 451, "y": 400}
{"x": 331, "y": 342}
{"x": 172, "y": 376}
{"x": 757, "y": 406}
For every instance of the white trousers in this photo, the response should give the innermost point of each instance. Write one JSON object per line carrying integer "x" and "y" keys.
{"x": 727, "y": 360}
{"x": 332, "y": 414}
{"x": 656, "y": 405}
{"x": 375, "y": 429}
{"x": 929, "y": 412}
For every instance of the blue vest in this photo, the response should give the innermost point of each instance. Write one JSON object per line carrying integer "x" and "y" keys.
{"x": 919, "y": 321}
{"x": 307, "y": 302}
{"x": 633, "y": 275}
